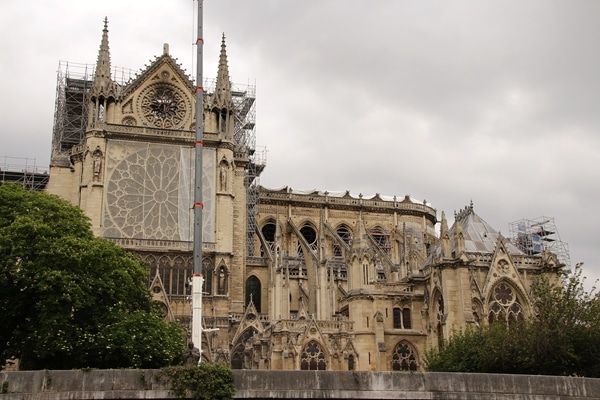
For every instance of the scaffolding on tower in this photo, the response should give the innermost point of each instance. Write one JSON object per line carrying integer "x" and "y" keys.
{"x": 73, "y": 84}
{"x": 244, "y": 134}
{"x": 70, "y": 114}
{"x": 534, "y": 236}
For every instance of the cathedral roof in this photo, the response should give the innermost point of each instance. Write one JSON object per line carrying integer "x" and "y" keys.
{"x": 478, "y": 235}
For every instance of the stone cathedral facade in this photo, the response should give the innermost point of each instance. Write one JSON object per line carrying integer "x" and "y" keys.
{"x": 328, "y": 281}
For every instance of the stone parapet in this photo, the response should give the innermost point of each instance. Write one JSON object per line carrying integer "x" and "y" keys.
{"x": 346, "y": 202}
{"x": 146, "y": 384}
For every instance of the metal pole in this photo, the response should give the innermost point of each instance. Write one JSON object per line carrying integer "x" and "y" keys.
{"x": 197, "y": 276}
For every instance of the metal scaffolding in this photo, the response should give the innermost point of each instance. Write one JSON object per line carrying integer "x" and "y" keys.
{"x": 533, "y": 236}
{"x": 23, "y": 171}
{"x": 73, "y": 83}
{"x": 255, "y": 167}
{"x": 244, "y": 135}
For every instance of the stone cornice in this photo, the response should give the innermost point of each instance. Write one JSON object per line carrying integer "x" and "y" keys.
{"x": 285, "y": 197}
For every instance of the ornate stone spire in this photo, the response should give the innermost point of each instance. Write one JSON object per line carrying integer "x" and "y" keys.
{"x": 103, "y": 84}
{"x": 223, "y": 89}
{"x": 444, "y": 225}
{"x": 445, "y": 237}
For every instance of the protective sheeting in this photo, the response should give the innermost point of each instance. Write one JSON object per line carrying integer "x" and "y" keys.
{"x": 209, "y": 172}
{"x": 149, "y": 192}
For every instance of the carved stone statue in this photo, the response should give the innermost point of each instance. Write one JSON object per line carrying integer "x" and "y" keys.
{"x": 223, "y": 176}
{"x": 222, "y": 289}
{"x": 191, "y": 355}
{"x": 97, "y": 163}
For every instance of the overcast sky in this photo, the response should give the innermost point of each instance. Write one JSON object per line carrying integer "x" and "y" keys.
{"x": 450, "y": 101}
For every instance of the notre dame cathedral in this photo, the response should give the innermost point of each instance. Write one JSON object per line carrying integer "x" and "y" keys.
{"x": 293, "y": 280}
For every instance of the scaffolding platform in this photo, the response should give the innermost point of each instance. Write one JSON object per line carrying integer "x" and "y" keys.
{"x": 533, "y": 236}
{"x": 24, "y": 172}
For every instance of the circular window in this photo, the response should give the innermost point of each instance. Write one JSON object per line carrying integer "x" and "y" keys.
{"x": 163, "y": 105}
{"x": 309, "y": 234}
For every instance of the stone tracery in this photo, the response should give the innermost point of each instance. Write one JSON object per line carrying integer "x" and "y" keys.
{"x": 163, "y": 105}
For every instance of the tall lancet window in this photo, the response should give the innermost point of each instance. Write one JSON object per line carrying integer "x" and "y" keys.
{"x": 253, "y": 289}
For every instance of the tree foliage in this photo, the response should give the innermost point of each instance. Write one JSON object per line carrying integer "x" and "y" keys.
{"x": 69, "y": 299}
{"x": 207, "y": 381}
{"x": 562, "y": 338}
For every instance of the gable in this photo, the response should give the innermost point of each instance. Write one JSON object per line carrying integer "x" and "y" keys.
{"x": 161, "y": 97}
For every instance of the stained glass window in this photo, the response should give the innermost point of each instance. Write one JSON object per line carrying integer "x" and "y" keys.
{"x": 312, "y": 358}
{"x": 504, "y": 305}
{"x": 404, "y": 357}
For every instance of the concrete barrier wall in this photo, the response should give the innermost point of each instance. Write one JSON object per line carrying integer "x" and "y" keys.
{"x": 146, "y": 384}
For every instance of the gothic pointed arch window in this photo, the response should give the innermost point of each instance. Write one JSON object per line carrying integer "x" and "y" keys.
{"x": 504, "y": 304}
{"x": 406, "y": 318}
{"x": 312, "y": 357}
{"x": 150, "y": 261}
{"x": 404, "y": 357}
{"x": 351, "y": 363}
{"x": 397, "y": 318}
{"x": 207, "y": 270}
{"x": 238, "y": 354}
{"x": 179, "y": 275}
{"x": 268, "y": 233}
{"x": 253, "y": 290}
{"x": 346, "y": 235}
{"x": 164, "y": 265}
{"x": 381, "y": 238}
{"x": 402, "y": 318}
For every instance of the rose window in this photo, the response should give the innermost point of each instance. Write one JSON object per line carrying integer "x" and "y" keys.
{"x": 142, "y": 199}
{"x": 163, "y": 106}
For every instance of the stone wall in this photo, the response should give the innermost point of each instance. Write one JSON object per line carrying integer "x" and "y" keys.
{"x": 137, "y": 384}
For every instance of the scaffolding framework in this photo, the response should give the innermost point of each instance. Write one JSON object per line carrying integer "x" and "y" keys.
{"x": 24, "y": 172}
{"x": 533, "y": 236}
{"x": 244, "y": 135}
{"x": 73, "y": 84}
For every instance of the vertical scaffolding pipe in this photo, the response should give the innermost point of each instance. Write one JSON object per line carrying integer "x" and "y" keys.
{"x": 197, "y": 276}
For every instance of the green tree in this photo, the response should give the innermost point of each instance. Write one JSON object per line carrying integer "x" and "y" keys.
{"x": 561, "y": 338}
{"x": 69, "y": 299}
{"x": 207, "y": 381}
{"x": 566, "y": 331}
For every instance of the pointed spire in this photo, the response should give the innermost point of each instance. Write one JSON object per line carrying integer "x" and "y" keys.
{"x": 223, "y": 89}
{"x": 444, "y": 227}
{"x": 445, "y": 237}
{"x": 103, "y": 84}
